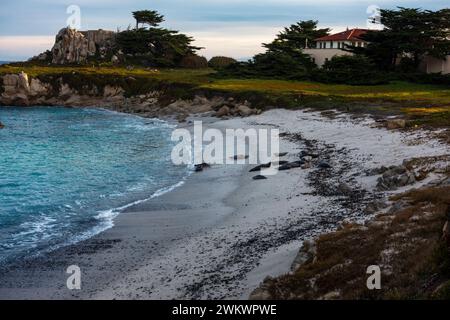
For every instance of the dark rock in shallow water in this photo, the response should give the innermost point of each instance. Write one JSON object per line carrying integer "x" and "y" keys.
{"x": 324, "y": 165}
{"x": 259, "y": 177}
{"x": 291, "y": 165}
{"x": 282, "y": 154}
{"x": 258, "y": 168}
{"x": 200, "y": 167}
{"x": 305, "y": 153}
{"x": 2, "y": 125}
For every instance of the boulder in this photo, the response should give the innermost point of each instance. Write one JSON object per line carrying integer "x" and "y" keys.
{"x": 307, "y": 165}
{"x": 306, "y": 254}
{"x": 324, "y": 165}
{"x": 201, "y": 166}
{"x": 115, "y": 59}
{"x": 222, "y": 112}
{"x": 10, "y": 80}
{"x": 112, "y": 91}
{"x": 2, "y": 125}
{"x": 244, "y": 111}
{"x": 259, "y": 177}
{"x": 396, "y": 124}
{"x": 37, "y": 88}
{"x": 309, "y": 154}
{"x": 291, "y": 165}
{"x": 395, "y": 177}
{"x": 258, "y": 168}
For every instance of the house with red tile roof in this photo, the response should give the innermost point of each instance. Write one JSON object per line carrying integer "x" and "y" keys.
{"x": 332, "y": 45}
{"x": 339, "y": 40}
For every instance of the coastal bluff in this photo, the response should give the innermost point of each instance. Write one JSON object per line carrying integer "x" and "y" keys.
{"x": 152, "y": 99}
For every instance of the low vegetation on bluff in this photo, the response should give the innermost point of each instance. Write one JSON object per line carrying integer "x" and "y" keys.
{"x": 407, "y": 242}
{"x": 421, "y": 104}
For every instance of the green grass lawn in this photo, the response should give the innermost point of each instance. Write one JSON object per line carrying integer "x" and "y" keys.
{"x": 397, "y": 91}
{"x": 422, "y": 102}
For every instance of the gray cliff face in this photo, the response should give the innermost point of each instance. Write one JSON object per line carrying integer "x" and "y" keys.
{"x": 76, "y": 47}
{"x": 20, "y": 90}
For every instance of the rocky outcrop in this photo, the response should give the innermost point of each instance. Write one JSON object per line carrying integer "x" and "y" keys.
{"x": 395, "y": 177}
{"x": 76, "y": 47}
{"x": 20, "y": 90}
{"x": 231, "y": 108}
{"x": 16, "y": 89}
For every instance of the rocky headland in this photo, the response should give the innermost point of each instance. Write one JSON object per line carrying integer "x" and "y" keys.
{"x": 22, "y": 90}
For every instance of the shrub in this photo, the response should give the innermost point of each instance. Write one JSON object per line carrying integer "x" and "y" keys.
{"x": 352, "y": 70}
{"x": 220, "y": 62}
{"x": 425, "y": 78}
{"x": 193, "y": 61}
{"x": 272, "y": 65}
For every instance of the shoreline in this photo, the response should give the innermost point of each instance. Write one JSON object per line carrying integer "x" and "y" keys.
{"x": 104, "y": 217}
{"x": 221, "y": 233}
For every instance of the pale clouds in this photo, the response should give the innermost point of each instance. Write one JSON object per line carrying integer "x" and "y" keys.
{"x": 22, "y": 47}
{"x": 233, "y": 27}
{"x": 236, "y": 42}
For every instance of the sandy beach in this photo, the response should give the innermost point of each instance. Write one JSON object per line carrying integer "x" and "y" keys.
{"x": 218, "y": 235}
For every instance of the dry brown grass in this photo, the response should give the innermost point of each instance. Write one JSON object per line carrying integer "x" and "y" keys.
{"x": 405, "y": 244}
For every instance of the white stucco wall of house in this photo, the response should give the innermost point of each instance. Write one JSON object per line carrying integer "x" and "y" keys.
{"x": 321, "y": 55}
{"x": 434, "y": 65}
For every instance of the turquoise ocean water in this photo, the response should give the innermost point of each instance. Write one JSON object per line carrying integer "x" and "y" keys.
{"x": 66, "y": 173}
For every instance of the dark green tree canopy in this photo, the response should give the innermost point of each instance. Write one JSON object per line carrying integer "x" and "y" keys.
{"x": 297, "y": 37}
{"x": 284, "y": 57}
{"x": 149, "y": 17}
{"x": 408, "y": 33}
{"x": 157, "y": 46}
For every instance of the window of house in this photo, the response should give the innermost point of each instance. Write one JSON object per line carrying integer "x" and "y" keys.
{"x": 339, "y": 45}
{"x": 331, "y": 44}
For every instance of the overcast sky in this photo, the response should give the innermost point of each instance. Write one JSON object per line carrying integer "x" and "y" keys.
{"x": 233, "y": 27}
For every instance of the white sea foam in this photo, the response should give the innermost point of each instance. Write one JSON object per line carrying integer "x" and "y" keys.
{"x": 106, "y": 217}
